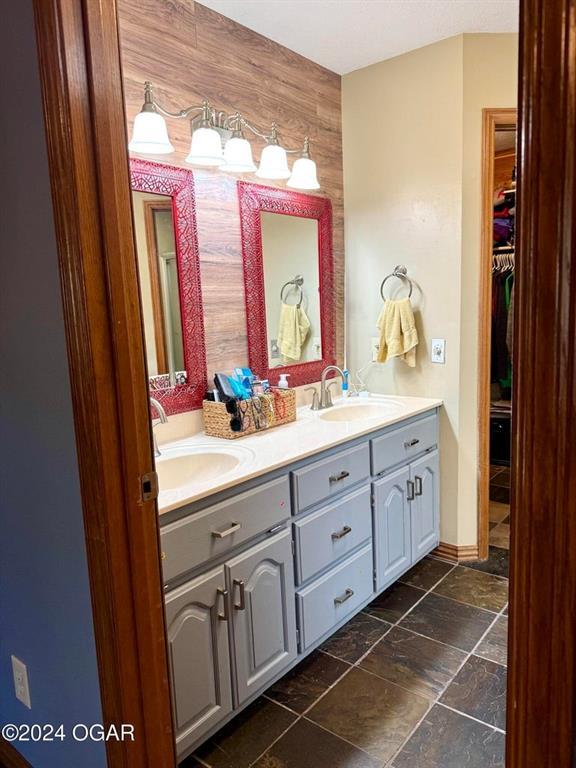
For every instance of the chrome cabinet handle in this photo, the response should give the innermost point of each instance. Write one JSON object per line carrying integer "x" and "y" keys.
{"x": 227, "y": 532}
{"x": 240, "y": 606}
{"x": 410, "y": 488}
{"x": 418, "y": 482}
{"x": 340, "y": 534}
{"x": 346, "y": 596}
{"x": 340, "y": 476}
{"x": 411, "y": 443}
{"x": 223, "y": 593}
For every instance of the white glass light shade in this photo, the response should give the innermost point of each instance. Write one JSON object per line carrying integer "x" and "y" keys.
{"x": 149, "y": 135}
{"x": 238, "y": 156}
{"x": 304, "y": 175}
{"x": 273, "y": 163}
{"x": 206, "y": 148}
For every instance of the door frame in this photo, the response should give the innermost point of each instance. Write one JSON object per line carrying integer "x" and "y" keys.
{"x": 492, "y": 119}
{"x": 84, "y": 115}
{"x": 541, "y": 721}
{"x": 81, "y": 81}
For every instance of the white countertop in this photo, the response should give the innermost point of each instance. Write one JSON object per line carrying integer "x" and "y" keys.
{"x": 265, "y": 451}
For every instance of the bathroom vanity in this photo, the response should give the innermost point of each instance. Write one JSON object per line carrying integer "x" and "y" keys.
{"x": 263, "y": 562}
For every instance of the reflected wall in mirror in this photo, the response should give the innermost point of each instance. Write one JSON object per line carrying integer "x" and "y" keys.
{"x": 288, "y": 278}
{"x": 169, "y": 272}
{"x": 291, "y": 288}
{"x": 158, "y": 271}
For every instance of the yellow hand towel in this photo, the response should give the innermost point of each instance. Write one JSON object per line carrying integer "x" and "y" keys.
{"x": 293, "y": 329}
{"x": 398, "y": 335}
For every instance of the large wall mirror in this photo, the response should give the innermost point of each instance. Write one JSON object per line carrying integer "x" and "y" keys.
{"x": 169, "y": 271}
{"x": 288, "y": 277}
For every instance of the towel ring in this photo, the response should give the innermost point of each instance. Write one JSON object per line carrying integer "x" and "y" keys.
{"x": 297, "y": 282}
{"x": 400, "y": 273}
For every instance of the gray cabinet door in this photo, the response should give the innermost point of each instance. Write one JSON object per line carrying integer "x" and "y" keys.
{"x": 424, "y": 473}
{"x": 261, "y": 584}
{"x": 392, "y": 539}
{"x": 199, "y": 654}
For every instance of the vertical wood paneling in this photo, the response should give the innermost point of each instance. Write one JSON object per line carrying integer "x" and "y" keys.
{"x": 189, "y": 53}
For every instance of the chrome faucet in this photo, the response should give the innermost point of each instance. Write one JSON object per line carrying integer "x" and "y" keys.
{"x": 162, "y": 418}
{"x": 325, "y": 394}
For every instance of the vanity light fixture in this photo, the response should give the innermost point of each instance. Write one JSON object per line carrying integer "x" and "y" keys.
{"x": 304, "y": 171}
{"x": 218, "y": 141}
{"x": 150, "y": 135}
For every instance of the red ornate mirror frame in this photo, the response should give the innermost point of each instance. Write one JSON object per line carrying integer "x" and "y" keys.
{"x": 254, "y": 199}
{"x": 178, "y": 183}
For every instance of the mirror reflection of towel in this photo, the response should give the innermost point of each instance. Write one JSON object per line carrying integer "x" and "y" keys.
{"x": 398, "y": 334}
{"x": 293, "y": 328}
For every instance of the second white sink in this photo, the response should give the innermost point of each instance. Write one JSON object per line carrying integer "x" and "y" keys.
{"x": 358, "y": 410}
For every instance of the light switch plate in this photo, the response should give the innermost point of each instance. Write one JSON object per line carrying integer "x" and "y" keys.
{"x": 21, "y": 688}
{"x": 438, "y": 353}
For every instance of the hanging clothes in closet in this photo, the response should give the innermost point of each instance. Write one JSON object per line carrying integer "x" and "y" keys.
{"x": 503, "y": 290}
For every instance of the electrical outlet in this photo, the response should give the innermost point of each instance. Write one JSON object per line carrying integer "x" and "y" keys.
{"x": 274, "y": 350}
{"x": 438, "y": 354}
{"x": 375, "y": 347}
{"x": 316, "y": 342}
{"x": 21, "y": 688}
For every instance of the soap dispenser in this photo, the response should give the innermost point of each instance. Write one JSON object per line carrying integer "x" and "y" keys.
{"x": 283, "y": 381}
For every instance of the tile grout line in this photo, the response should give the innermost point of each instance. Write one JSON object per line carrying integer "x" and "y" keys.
{"x": 474, "y": 719}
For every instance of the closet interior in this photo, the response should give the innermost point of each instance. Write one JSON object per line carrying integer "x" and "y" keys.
{"x": 503, "y": 249}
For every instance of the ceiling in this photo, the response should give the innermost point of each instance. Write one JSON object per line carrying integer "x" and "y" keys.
{"x": 344, "y": 35}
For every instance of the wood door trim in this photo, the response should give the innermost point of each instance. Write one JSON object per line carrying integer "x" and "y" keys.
{"x": 81, "y": 81}
{"x": 542, "y": 642}
{"x": 491, "y": 119}
{"x": 10, "y": 757}
{"x": 149, "y": 207}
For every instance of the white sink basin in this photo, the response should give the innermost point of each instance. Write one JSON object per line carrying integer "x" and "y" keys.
{"x": 357, "y": 411}
{"x": 187, "y": 465}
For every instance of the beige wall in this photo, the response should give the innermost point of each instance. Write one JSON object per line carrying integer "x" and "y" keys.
{"x": 490, "y": 80}
{"x": 412, "y": 150}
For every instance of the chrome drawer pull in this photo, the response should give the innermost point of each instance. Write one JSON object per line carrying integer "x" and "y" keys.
{"x": 411, "y": 443}
{"x": 228, "y": 532}
{"x": 410, "y": 487}
{"x": 346, "y": 596}
{"x": 340, "y": 476}
{"x": 242, "y": 604}
{"x": 340, "y": 534}
{"x": 223, "y": 593}
{"x": 418, "y": 491}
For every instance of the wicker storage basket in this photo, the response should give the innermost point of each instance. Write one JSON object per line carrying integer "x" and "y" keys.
{"x": 278, "y": 407}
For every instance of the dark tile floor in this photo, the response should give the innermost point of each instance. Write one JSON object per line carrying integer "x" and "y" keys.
{"x": 499, "y": 507}
{"x": 417, "y": 680}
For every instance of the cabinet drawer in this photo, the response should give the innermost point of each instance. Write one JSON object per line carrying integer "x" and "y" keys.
{"x": 331, "y": 598}
{"x": 332, "y": 532}
{"x": 218, "y": 529}
{"x": 327, "y": 477}
{"x": 402, "y": 444}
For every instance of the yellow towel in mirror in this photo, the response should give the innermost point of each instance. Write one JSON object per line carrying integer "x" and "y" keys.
{"x": 398, "y": 334}
{"x": 293, "y": 329}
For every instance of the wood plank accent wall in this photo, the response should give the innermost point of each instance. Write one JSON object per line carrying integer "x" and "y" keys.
{"x": 189, "y": 53}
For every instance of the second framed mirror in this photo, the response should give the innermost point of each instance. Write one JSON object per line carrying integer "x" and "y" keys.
{"x": 288, "y": 278}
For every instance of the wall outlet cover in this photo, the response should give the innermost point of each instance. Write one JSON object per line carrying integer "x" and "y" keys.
{"x": 21, "y": 687}
{"x": 274, "y": 350}
{"x": 438, "y": 353}
{"x": 375, "y": 347}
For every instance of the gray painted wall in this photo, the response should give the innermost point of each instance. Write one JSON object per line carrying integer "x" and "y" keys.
{"x": 45, "y": 612}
